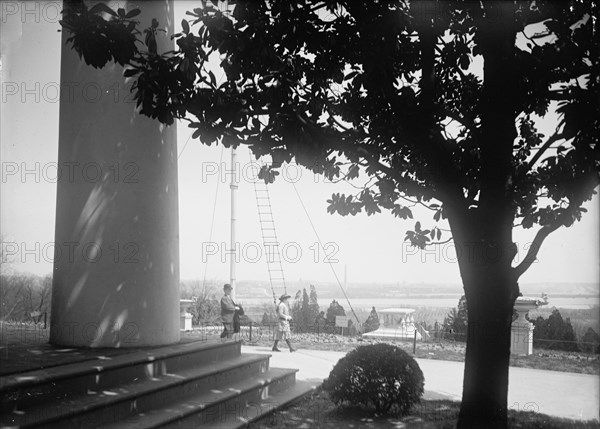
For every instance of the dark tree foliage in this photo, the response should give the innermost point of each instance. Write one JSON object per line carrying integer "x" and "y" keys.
{"x": 456, "y": 321}
{"x": 486, "y": 113}
{"x": 306, "y": 319}
{"x": 335, "y": 309}
{"x": 590, "y": 342}
{"x": 296, "y": 310}
{"x": 372, "y": 322}
{"x": 269, "y": 318}
{"x": 554, "y": 333}
{"x": 302, "y": 314}
{"x": 313, "y": 305}
{"x": 320, "y": 323}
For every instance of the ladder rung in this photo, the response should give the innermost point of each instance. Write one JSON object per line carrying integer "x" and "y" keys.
{"x": 268, "y": 231}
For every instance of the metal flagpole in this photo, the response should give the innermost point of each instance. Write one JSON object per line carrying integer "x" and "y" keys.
{"x": 233, "y": 186}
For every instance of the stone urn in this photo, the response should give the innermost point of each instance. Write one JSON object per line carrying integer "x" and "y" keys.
{"x": 522, "y": 330}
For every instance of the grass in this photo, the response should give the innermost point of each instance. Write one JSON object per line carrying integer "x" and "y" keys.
{"x": 551, "y": 360}
{"x": 317, "y": 411}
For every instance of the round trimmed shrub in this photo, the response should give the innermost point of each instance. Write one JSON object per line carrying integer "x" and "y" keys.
{"x": 381, "y": 376}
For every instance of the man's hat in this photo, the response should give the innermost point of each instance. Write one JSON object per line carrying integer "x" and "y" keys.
{"x": 227, "y": 286}
{"x": 284, "y": 296}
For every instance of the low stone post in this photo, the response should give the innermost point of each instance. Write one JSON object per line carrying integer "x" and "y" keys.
{"x": 521, "y": 336}
{"x": 185, "y": 318}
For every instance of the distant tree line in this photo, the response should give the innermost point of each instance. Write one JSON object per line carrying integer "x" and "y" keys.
{"x": 25, "y": 297}
{"x": 556, "y": 333}
{"x": 552, "y": 333}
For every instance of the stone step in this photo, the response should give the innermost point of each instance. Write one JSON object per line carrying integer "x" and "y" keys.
{"x": 71, "y": 380}
{"x": 186, "y": 385}
{"x": 255, "y": 412}
{"x": 232, "y": 405}
{"x": 121, "y": 402}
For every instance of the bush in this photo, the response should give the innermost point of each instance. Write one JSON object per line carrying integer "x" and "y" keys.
{"x": 379, "y": 376}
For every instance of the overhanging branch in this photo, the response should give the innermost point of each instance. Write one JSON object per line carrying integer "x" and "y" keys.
{"x": 562, "y": 219}
{"x": 554, "y": 138}
{"x": 534, "y": 249}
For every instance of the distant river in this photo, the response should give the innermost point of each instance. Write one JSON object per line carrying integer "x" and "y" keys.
{"x": 446, "y": 302}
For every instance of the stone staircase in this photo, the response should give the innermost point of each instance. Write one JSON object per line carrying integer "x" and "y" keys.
{"x": 198, "y": 384}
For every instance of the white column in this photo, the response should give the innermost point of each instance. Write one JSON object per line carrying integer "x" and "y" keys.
{"x": 116, "y": 270}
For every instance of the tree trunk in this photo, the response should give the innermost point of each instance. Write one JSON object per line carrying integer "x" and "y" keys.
{"x": 485, "y": 231}
{"x": 485, "y": 384}
{"x": 485, "y": 251}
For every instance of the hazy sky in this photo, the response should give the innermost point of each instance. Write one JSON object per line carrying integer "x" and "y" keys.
{"x": 372, "y": 248}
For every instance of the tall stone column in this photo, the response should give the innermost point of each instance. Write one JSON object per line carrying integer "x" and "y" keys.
{"x": 116, "y": 266}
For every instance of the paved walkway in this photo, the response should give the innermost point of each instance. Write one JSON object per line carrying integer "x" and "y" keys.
{"x": 561, "y": 394}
